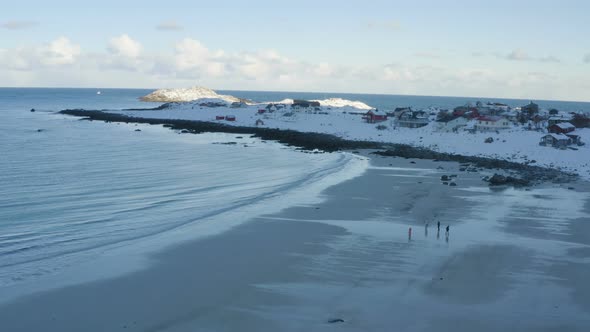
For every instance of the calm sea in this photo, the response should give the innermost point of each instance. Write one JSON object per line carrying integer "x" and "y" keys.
{"x": 74, "y": 191}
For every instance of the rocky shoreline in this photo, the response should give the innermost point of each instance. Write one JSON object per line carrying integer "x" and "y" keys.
{"x": 526, "y": 173}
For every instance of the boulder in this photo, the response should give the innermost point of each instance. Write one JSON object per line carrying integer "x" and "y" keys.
{"x": 498, "y": 180}
{"x": 489, "y": 140}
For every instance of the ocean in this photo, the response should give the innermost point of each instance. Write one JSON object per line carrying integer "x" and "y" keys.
{"x": 73, "y": 191}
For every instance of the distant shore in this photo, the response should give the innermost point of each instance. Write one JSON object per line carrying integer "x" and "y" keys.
{"x": 330, "y": 143}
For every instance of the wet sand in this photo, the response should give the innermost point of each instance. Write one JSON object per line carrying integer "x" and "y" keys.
{"x": 515, "y": 260}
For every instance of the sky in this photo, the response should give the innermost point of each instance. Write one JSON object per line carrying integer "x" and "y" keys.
{"x": 478, "y": 48}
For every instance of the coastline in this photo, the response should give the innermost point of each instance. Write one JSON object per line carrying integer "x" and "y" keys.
{"x": 330, "y": 143}
{"x": 347, "y": 262}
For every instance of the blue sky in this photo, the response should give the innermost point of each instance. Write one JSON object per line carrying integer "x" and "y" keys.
{"x": 524, "y": 49}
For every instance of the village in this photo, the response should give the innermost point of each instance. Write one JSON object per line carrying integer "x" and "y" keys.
{"x": 556, "y": 129}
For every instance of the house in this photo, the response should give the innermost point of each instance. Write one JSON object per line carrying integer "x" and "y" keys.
{"x": 259, "y": 123}
{"x": 398, "y": 111}
{"x": 412, "y": 119}
{"x": 451, "y": 123}
{"x": 219, "y": 117}
{"x": 230, "y": 117}
{"x": 491, "y": 123}
{"x": 464, "y": 110}
{"x": 374, "y": 116}
{"x": 499, "y": 106}
{"x": 555, "y": 140}
{"x": 562, "y": 128}
{"x": 558, "y": 119}
{"x": 512, "y": 116}
{"x": 261, "y": 111}
{"x": 271, "y": 108}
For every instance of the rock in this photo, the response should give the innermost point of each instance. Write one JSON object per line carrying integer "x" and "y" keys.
{"x": 498, "y": 180}
{"x": 239, "y": 137}
{"x": 32, "y": 110}
{"x": 445, "y": 183}
{"x": 452, "y": 184}
{"x": 453, "y": 175}
{"x": 462, "y": 169}
{"x": 412, "y": 162}
{"x": 184, "y": 131}
{"x": 570, "y": 188}
{"x": 137, "y": 129}
{"x": 336, "y": 320}
{"x": 39, "y": 130}
{"x": 444, "y": 178}
{"x": 489, "y": 140}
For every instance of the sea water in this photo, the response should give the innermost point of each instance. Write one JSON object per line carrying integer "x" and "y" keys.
{"x": 71, "y": 191}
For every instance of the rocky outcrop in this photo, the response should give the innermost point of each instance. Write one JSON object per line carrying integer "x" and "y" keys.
{"x": 500, "y": 180}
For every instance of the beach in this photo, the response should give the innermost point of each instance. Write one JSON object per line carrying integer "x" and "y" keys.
{"x": 515, "y": 259}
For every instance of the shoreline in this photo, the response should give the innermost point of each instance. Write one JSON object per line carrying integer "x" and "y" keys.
{"x": 326, "y": 142}
{"x": 347, "y": 262}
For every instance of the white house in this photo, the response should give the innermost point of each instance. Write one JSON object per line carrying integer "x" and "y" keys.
{"x": 451, "y": 123}
{"x": 492, "y": 123}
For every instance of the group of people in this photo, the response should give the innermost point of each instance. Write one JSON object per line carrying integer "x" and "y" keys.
{"x": 448, "y": 228}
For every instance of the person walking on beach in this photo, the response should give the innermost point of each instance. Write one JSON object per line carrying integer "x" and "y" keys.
{"x": 438, "y": 225}
{"x": 447, "y": 230}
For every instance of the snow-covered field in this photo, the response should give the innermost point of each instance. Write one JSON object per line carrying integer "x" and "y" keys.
{"x": 344, "y": 119}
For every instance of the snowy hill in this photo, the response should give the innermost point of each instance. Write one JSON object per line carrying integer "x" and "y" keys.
{"x": 339, "y": 102}
{"x": 185, "y": 95}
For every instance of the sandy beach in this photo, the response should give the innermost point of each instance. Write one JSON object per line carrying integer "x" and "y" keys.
{"x": 515, "y": 259}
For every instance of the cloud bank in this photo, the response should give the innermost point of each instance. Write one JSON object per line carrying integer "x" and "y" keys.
{"x": 125, "y": 62}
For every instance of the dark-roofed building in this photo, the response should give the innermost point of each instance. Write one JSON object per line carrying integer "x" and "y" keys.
{"x": 562, "y": 128}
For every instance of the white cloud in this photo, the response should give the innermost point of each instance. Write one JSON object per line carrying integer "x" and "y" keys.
{"x": 60, "y": 52}
{"x": 169, "y": 26}
{"x": 123, "y": 45}
{"x": 17, "y": 25}
{"x": 518, "y": 55}
{"x": 190, "y": 62}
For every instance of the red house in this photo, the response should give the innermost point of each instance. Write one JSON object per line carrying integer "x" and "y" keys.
{"x": 261, "y": 111}
{"x": 562, "y": 128}
{"x": 230, "y": 117}
{"x": 219, "y": 117}
{"x": 374, "y": 116}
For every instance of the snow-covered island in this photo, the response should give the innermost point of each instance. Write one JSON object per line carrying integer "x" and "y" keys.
{"x": 527, "y": 134}
{"x": 185, "y": 95}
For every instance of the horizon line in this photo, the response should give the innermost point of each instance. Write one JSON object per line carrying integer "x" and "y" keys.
{"x": 315, "y": 92}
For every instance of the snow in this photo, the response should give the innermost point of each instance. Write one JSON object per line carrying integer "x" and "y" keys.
{"x": 565, "y": 125}
{"x": 339, "y": 102}
{"x": 186, "y": 94}
{"x": 514, "y": 144}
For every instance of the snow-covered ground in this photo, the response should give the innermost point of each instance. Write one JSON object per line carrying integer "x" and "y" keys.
{"x": 341, "y": 118}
